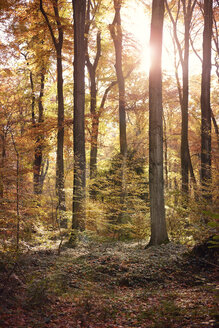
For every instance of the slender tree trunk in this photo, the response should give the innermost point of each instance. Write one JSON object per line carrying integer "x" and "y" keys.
{"x": 116, "y": 34}
{"x": 17, "y": 192}
{"x": 215, "y": 127}
{"x": 92, "y": 67}
{"x": 185, "y": 98}
{"x": 60, "y": 144}
{"x": 205, "y": 103}
{"x": 156, "y": 180}
{"x": 94, "y": 127}
{"x": 58, "y": 43}
{"x": 38, "y": 152}
{"x": 165, "y": 154}
{"x": 2, "y": 162}
{"x": 79, "y": 210}
{"x": 188, "y": 7}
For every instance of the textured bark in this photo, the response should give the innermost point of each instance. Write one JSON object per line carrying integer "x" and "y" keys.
{"x": 188, "y": 7}
{"x": 156, "y": 180}
{"x": 3, "y": 135}
{"x": 205, "y": 102}
{"x": 79, "y": 211}
{"x": 38, "y": 151}
{"x": 116, "y": 34}
{"x": 58, "y": 43}
{"x": 215, "y": 127}
{"x": 92, "y": 67}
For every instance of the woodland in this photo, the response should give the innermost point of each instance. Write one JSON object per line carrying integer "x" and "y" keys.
{"x": 109, "y": 163}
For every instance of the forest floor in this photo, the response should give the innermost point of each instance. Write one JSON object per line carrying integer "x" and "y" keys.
{"x": 118, "y": 285}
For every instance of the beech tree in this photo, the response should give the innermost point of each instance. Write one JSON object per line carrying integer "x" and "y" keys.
{"x": 187, "y": 7}
{"x": 57, "y": 38}
{"x": 78, "y": 218}
{"x": 205, "y": 102}
{"x": 156, "y": 180}
{"x": 116, "y": 34}
{"x": 92, "y": 68}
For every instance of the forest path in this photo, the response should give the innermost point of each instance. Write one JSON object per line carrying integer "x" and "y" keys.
{"x": 118, "y": 285}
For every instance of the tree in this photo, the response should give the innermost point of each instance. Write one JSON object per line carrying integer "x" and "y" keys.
{"x": 156, "y": 180}
{"x": 188, "y": 8}
{"x": 39, "y": 173}
{"x": 78, "y": 218}
{"x": 58, "y": 43}
{"x": 205, "y": 102}
{"x": 116, "y": 34}
{"x": 92, "y": 67}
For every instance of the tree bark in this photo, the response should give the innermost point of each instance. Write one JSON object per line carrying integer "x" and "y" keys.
{"x": 184, "y": 94}
{"x": 3, "y": 135}
{"x": 92, "y": 67}
{"x": 79, "y": 210}
{"x": 156, "y": 180}
{"x": 116, "y": 34}
{"x": 205, "y": 103}
{"x": 38, "y": 152}
{"x": 58, "y": 43}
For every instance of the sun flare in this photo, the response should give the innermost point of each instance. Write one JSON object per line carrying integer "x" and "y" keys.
{"x": 137, "y": 22}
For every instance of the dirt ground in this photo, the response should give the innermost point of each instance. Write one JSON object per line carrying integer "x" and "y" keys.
{"x": 118, "y": 285}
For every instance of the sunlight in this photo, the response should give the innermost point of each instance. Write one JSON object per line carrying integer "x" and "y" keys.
{"x": 138, "y": 23}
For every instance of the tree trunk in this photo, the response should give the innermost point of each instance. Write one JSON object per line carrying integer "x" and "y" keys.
{"x": 156, "y": 180}
{"x": 2, "y": 160}
{"x": 188, "y": 8}
{"x": 116, "y": 34}
{"x": 60, "y": 144}
{"x": 92, "y": 67}
{"x": 79, "y": 211}
{"x": 185, "y": 155}
{"x": 38, "y": 152}
{"x": 205, "y": 103}
{"x": 58, "y": 43}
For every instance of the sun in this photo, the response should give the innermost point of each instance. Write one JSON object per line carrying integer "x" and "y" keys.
{"x": 137, "y": 22}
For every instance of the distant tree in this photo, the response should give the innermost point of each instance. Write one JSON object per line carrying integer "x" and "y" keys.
{"x": 116, "y": 34}
{"x": 79, "y": 213}
{"x": 156, "y": 180}
{"x": 57, "y": 38}
{"x": 39, "y": 171}
{"x": 205, "y": 102}
{"x": 92, "y": 68}
{"x": 187, "y": 7}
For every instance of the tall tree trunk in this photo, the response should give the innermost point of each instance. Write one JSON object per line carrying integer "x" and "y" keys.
{"x": 188, "y": 8}
{"x": 92, "y": 67}
{"x": 186, "y": 163}
{"x": 184, "y": 108}
{"x": 2, "y": 160}
{"x": 60, "y": 144}
{"x": 156, "y": 180}
{"x": 205, "y": 103}
{"x": 58, "y": 43}
{"x": 38, "y": 152}
{"x": 79, "y": 210}
{"x": 165, "y": 154}
{"x": 116, "y": 34}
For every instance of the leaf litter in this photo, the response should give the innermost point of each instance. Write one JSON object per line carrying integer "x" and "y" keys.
{"x": 109, "y": 285}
